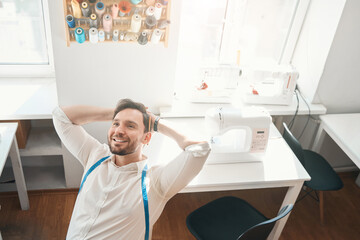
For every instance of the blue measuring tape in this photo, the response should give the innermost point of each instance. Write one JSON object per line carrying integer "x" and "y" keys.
{"x": 143, "y": 190}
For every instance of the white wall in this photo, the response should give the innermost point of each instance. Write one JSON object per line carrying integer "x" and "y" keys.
{"x": 104, "y": 73}
{"x": 338, "y": 74}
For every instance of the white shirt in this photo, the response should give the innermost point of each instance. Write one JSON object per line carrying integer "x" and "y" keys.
{"x": 110, "y": 204}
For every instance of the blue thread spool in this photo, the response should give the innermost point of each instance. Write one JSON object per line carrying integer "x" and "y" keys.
{"x": 99, "y": 5}
{"x": 135, "y": 1}
{"x": 70, "y": 21}
{"x": 79, "y": 35}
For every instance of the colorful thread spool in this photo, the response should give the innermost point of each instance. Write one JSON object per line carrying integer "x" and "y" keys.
{"x": 70, "y": 21}
{"x": 158, "y": 11}
{"x": 135, "y": 23}
{"x": 150, "y": 2}
{"x": 150, "y": 22}
{"x": 93, "y": 21}
{"x": 114, "y": 10}
{"x": 156, "y": 36}
{"x": 101, "y": 36}
{"x": 75, "y": 5}
{"x": 79, "y": 35}
{"x": 107, "y": 23}
{"x": 150, "y": 11}
{"x": 124, "y": 8}
{"x": 135, "y": 1}
{"x": 93, "y": 35}
{"x": 163, "y": 24}
{"x": 115, "y": 35}
{"x": 143, "y": 38}
{"x": 100, "y": 9}
{"x": 85, "y": 9}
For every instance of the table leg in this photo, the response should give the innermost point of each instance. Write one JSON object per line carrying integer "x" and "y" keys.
{"x": 290, "y": 198}
{"x": 278, "y": 123}
{"x": 19, "y": 175}
{"x": 319, "y": 139}
{"x": 358, "y": 180}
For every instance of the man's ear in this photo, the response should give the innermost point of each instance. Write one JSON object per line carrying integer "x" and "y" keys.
{"x": 147, "y": 138}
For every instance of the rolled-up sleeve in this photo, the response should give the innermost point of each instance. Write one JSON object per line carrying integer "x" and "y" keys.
{"x": 179, "y": 172}
{"x": 74, "y": 137}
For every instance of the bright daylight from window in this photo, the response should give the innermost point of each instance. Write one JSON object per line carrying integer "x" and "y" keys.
{"x": 23, "y": 40}
{"x": 219, "y": 39}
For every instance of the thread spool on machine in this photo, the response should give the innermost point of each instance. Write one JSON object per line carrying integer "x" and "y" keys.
{"x": 121, "y": 23}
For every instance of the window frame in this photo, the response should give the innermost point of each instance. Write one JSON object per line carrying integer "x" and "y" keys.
{"x": 34, "y": 70}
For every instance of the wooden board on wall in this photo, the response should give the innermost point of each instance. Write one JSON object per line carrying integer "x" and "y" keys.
{"x": 122, "y": 24}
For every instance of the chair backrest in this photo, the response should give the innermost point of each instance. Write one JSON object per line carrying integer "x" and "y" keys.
{"x": 262, "y": 230}
{"x": 293, "y": 144}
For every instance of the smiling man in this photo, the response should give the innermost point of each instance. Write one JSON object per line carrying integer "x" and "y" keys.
{"x": 119, "y": 197}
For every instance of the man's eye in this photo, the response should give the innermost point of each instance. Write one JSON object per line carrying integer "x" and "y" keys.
{"x": 115, "y": 124}
{"x": 131, "y": 126}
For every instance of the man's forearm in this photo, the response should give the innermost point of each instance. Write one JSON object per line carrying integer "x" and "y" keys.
{"x": 181, "y": 140}
{"x": 82, "y": 114}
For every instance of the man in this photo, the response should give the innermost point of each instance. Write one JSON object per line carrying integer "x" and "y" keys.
{"x": 111, "y": 202}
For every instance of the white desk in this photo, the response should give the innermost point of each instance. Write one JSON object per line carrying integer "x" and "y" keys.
{"x": 280, "y": 167}
{"x": 188, "y": 109}
{"x": 8, "y": 146}
{"x": 27, "y": 98}
{"x": 344, "y": 129}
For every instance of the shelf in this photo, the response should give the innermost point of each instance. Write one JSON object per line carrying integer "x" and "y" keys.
{"x": 42, "y": 141}
{"x": 36, "y": 178}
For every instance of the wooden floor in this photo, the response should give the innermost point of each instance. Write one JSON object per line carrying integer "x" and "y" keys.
{"x": 50, "y": 213}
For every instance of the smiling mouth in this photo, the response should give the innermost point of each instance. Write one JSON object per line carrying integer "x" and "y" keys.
{"x": 118, "y": 140}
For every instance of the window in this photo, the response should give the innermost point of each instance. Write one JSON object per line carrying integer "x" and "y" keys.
{"x": 25, "y": 43}
{"x": 218, "y": 38}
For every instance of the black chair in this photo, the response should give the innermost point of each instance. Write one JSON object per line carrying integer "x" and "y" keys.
{"x": 323, "y": 177}
{"x": 231, "y": 218}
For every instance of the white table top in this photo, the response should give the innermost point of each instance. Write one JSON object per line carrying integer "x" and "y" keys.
{"x": 189, "y": 109}
{"x": 27, "y": 98}
{"x": 7, "y": 133}
{"x": 280, "y": 167}
{"x": 344, "y": 129}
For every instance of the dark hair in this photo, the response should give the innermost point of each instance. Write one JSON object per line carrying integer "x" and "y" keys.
{"x": 128, "y": 103}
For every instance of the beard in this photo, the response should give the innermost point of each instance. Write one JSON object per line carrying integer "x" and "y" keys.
{"x": 130, "y": 148}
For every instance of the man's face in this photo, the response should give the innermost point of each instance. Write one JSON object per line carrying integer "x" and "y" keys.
{"x": 126, "y": 134}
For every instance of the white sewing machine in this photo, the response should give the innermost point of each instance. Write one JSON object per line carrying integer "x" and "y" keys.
{"x": 237, "y": 135}
{"x": 271, "y": 86}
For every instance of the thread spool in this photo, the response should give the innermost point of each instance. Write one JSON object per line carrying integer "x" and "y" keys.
{"x": 85, "y": 9}
{"x": 156, "y": 36}
{"x": 163, "y": 24}
{"x": 115, "y": 35}
{"x": 93, "y": 21}
{"x": 100, "y": 9}
{"x": 75, "y": 6}
{"x": 135, "y": 23}
{"x": 124, "y": 8}
{"x": 150, "y": 22}
{"x": 101, "y": 36}
{"x": 150, "y": 11}
{"x": 114, "y": 10}
{"x": 93, "y": 35}
{"x": 79, "y": 35}
{"x": 158, "y": 11}
{"x": 150, "y": 2}
{"x": 70, "y": 21}
{"x": 135, "y": 1}
{"x": 107, "y": 23}
{"x": 122, "y": 35}
{"x": 143, "y": 38}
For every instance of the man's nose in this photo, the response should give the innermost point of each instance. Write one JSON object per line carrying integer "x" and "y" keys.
{"x": 120, "y": 129}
